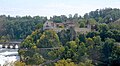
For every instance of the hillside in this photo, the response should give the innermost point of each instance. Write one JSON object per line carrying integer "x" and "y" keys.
{"x": 99, "y": 46}
{"x": 115, "y": 25}
{"x": 20, "y": 27}
{"x": 104, "y": 15}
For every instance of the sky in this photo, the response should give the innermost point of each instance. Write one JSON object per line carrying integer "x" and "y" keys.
{"x": 53, "y": 7}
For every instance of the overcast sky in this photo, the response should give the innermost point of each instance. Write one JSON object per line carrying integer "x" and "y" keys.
{"x": 53, "y": 7}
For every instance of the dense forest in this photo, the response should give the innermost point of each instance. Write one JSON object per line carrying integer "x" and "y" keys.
{"x": 96, "y": 48}
{"x": 20, "y": 27}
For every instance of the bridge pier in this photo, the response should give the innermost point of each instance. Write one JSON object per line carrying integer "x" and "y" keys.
{"x": 3, "y": 46}
{"x": 15, "y": 46}
{"x": 0, "y": 46}
{"x": 10, "y": 45}
{"x": 6, "y": 46}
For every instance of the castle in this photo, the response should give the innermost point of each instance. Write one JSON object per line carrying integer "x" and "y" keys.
{"x": 65, "y": 25}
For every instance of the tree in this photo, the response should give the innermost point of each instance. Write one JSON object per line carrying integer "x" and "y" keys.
{"x": 97, "y": 40}
{"x": 77, "y": 40}
{"x": 48, "y": 39}
{"x": 92, "y": 21}
{"x": 86, "y": 63}
{"x": 4, "y": 38}
{"x": 72, "y": 44}
{"x": 103, "y": 27}
{"x": 86, "y": 16}
{"x": 57, "y": 19}
{"x": 64, "y": 62}
{"x": 2, "y": 22}
{"x": 82, "y": 38}
{"x": 18, "y": 63}
{"x": 70, "y": 16}
{"x": 27, "y": 43}
{"x": 40, "y": 25}
{"x": 34, "y": 59}
{"x": 20, "y": 27}
{"x": 53, "y": 54}
{"x": 70, "y": 51}
{"x": 89, "y": 42}
{"x": 115, "y": 56}
{"x": 104, "y": 15}
{"x": 92, "y": 34}
{"x": 108, "y": 49}
{"x": 67, "y": 35}
{"x": 82, "y": 25}
{"x": 37, "y": 59}
{"x": 82, "y": 52}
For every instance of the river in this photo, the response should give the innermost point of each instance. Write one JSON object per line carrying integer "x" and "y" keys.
{"x": 8, "y": 55}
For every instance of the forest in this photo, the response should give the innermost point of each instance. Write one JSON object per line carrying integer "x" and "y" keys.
{"x": 47, "y": 47}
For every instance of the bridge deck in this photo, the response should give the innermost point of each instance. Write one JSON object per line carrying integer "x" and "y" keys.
{"x": 55, "y": 48}
{"x": 10, "y": 42}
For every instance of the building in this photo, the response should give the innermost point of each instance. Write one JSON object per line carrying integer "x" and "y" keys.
{"x": 82, "y": 30}
{"x": 69, "y": 24}
{"x": 59, "y": 25}
{"x": 48, "y": 25}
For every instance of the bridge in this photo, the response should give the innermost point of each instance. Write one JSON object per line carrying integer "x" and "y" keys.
{"x": 10, "y": 45}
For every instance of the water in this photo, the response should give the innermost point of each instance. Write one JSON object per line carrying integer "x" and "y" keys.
{"x": 8, "y": 55}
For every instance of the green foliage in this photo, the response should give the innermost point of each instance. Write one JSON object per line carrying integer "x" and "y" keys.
{"x": 64, "y": 62}
{"x": 4, "y": 38}
{"x": 36, "y": 59}
{"x": 103, "y": 27}
{"x": 72, "y": 44}
{"x": 70, "y": 50}
{"x": 97, "y": 40}
{"x": 89, "y": 42}
{"x": 82, "y": 21}
{"x": 31, "y": 40}
{"x": 92, "y": 34}
{"x": 67, "y": 35}
{"x": 92, "y": 21}
{"x": 20, "y": 27}
{"x": 78, "y": 50}
{"x": 115, "y": 34}
{"x": 29, "y": 48}
{"x": 28, "y": 43}
{"x": 82, "y": 38}
{"x": 98, "y": 46}
{"x": 48, "y": 39}
{"x": 115, "y": 56}
{"x": 104, "y": 15}
{"x": 108, "y": 49}
{"x": 86, "y": 63}
{"x": 115, "y": 25}
{"x": 82, "y": 52}
{"x": 82, "y": 25}
{"x": 57, "y": 19}
{"x": 40, "y": 25}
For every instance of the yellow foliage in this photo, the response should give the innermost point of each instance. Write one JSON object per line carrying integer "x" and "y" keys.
{"x": 65, "y": 63}
{"x": 19, "y": 63}
{"x": 34, "y": 47}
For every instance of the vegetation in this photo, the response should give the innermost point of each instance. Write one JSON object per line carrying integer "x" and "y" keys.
{"x": 100, "y": 47}
{"x": 19, "y": 27}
